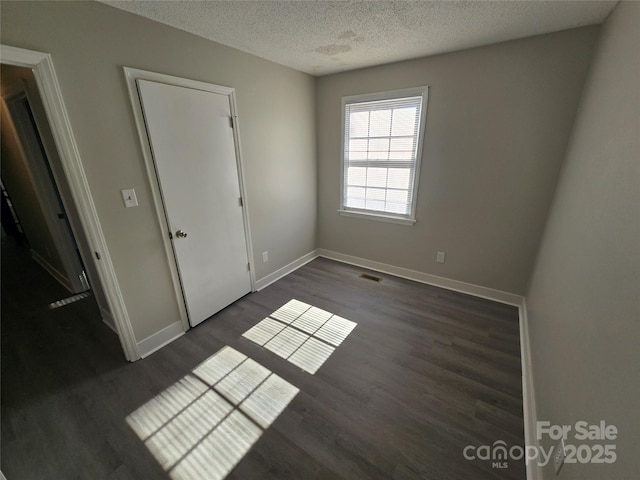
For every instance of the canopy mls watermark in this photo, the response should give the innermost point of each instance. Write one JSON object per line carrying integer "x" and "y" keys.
{"x": 598, "y": 447}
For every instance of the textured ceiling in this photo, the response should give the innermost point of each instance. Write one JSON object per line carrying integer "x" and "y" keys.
{"x": 322, "y": 37}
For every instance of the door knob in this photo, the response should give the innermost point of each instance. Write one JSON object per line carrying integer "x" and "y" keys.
{"x": 181, "y": 234}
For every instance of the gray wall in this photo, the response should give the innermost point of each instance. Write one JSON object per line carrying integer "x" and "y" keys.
{"x": 90, "y": 43}
{"x": 584, "y": 298}
{"x": 498, "y": 123}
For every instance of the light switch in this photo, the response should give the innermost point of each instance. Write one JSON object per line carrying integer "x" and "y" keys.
{"x": 129, "y": 198}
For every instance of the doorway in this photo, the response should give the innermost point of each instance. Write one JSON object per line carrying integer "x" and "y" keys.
{"x": 30, "y": 177}
{"x": 76, "y": 194}
{"x": 34, "y": 212}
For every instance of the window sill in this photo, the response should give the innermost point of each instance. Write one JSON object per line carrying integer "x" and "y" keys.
{"x": 377, "y": 216}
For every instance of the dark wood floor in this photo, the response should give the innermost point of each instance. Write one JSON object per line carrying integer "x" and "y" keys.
{"x": 425, "y": 373}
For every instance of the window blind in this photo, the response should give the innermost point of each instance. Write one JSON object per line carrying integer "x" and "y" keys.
{"x": 380, "y": 154}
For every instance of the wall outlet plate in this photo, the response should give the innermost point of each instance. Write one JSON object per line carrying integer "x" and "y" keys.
{"x": 265, "y": 257}
{"x": 558, "y": 456}
{"x": 440, "y": 257}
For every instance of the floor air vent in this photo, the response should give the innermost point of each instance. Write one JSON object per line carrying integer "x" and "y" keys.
{"x": 370, "y": 277}
{"x": 68, "y": 300}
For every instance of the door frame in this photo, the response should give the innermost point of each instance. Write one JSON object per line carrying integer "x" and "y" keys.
{"x": 51, "y": 94}
{"x": 133, "y": 74}
{"x": 45, "y": 190}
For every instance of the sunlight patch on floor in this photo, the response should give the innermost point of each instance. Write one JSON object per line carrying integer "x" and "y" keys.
{"x": 301, "y": 333}
{"x": 204, "y": 424}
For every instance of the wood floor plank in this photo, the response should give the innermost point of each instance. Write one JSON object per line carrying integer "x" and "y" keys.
{"x": 424, "y": 373}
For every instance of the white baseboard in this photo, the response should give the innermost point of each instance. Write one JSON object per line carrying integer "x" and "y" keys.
{"x": 421, "y": 277}
{"x": 286, "y": 270}
{"x": 528, "y": 394}
{"x": 159, "y": 339}
{"x": 108, "y": 320}
{"x": 64, "y": 281}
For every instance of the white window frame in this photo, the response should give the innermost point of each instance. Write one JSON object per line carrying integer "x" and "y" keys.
{"x": 387, "y": 95}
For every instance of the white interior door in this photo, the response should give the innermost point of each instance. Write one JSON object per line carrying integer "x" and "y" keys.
{"x": 192, "y": 143}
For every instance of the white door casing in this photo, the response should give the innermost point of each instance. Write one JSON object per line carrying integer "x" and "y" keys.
{"x": 194, "y": 151}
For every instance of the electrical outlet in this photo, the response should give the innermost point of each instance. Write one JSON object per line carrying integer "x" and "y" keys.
{"x": 265, "y": 257}
{"x": 440, "y": 257}
{"x": 558, "y": 456}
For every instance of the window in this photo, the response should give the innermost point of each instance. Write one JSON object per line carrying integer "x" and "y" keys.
{"x": 381, "y": 158}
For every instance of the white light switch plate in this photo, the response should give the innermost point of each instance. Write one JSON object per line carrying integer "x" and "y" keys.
{"x": 129, "y": 198}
